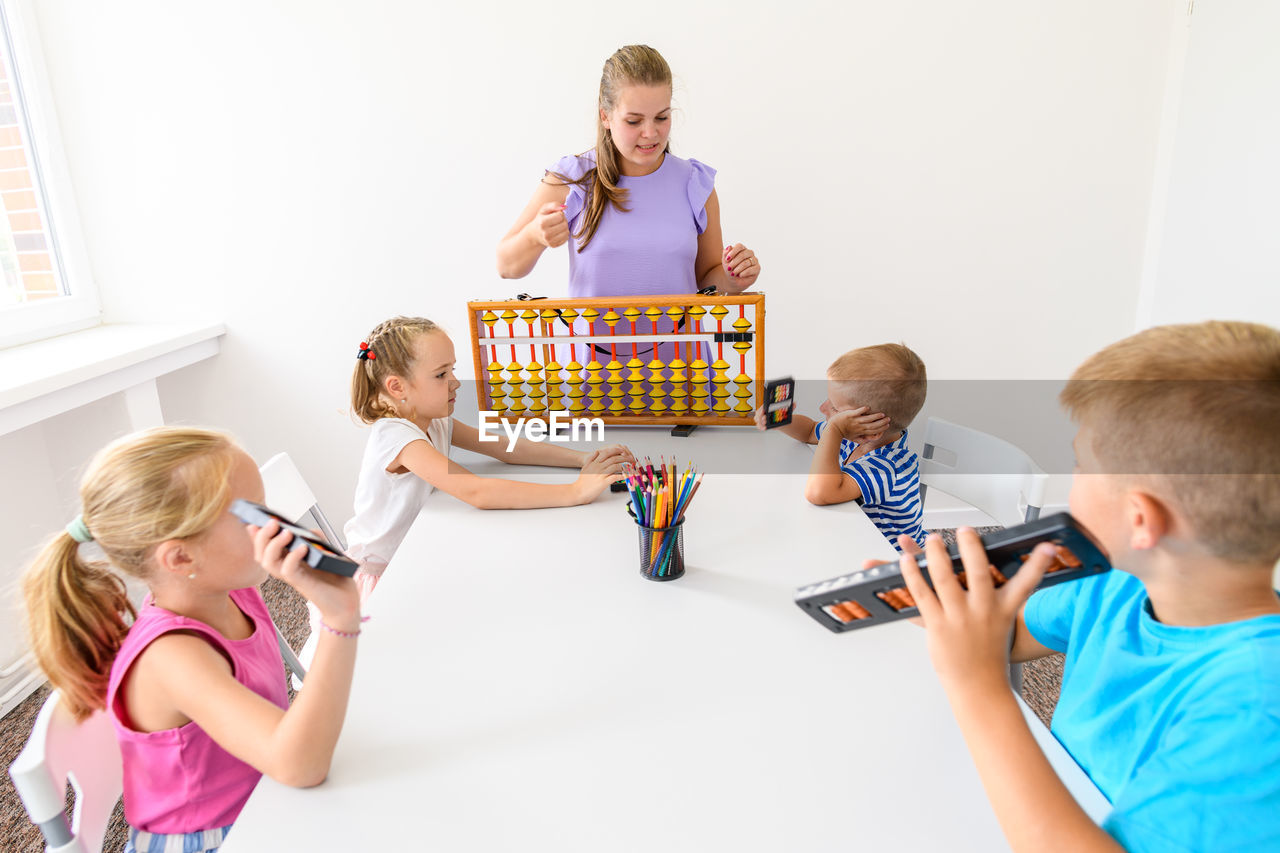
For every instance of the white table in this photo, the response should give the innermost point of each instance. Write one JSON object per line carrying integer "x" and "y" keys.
{"x": 522, "y": 687}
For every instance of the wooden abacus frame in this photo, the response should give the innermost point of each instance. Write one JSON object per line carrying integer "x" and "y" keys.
{"x": 597, "y": 392}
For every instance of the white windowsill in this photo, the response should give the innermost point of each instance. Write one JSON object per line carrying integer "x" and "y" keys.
{"x": 46, "y": 378}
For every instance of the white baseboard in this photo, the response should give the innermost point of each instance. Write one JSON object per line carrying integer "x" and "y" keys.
{"x": 23, "y": 680}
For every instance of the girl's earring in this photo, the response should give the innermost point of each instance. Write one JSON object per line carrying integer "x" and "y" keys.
{"x": 404, "y": 401}
{"x": 191, "y": 576}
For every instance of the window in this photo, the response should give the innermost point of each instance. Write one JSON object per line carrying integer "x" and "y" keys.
{"x": 44, "y": 284}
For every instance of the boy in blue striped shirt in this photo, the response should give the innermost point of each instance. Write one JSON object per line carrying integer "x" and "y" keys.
{"x": 873, "y": 394}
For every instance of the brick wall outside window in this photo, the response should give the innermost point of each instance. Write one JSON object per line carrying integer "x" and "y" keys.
{"x": 27, "y": 270}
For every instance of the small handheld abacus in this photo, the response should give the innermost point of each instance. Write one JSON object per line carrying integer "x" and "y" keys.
{"x": 779, "y": 402}
{"x": 625, "y": 360}
{"x": 320, "y": 554}
{"x": 879, "y": 594}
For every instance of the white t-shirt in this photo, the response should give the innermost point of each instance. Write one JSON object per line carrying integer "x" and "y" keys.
{"x": 386, "y": 504}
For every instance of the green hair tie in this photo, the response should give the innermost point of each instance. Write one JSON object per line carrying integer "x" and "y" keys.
{"x": 79, "y": 531}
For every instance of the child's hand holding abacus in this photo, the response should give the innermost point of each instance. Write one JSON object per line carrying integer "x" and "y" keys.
{"x": 970, "y": 631}
{"x": 336, "y": 597}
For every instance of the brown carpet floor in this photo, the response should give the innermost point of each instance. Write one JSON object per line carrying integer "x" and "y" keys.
{"x": 1041, "y": 680}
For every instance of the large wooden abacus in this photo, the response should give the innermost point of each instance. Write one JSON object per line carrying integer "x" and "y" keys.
{"x": 649, "y": 360}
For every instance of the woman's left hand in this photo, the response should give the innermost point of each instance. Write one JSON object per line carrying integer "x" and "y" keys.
{"x": 741, "y": 263}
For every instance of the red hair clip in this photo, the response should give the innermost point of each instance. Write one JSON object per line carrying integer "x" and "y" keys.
{"x": 365, "y": 352}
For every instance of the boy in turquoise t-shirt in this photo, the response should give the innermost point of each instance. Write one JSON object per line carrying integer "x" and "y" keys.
{"x": 1171, "y": 687}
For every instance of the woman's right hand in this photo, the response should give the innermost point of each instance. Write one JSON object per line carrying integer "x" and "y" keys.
{"x": 549, "y": 227}
{"x": 337, "y": 597}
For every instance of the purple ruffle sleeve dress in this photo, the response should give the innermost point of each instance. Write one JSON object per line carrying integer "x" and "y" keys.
{"x": 650, "y": 249}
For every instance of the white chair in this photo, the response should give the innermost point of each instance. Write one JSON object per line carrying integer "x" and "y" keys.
{"x": 61, "y": 750}
{"x": 988, "y": 473}
{"x": 287, "y": 493}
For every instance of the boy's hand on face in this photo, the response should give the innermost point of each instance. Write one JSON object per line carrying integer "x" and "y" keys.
{"x": 860, "y": 425}
{"x": 969, "y": 632}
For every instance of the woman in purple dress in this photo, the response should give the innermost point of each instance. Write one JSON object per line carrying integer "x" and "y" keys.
{"x": 641, "y": 221}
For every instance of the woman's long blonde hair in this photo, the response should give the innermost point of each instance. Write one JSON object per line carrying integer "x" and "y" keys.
{"x": 139, "y": 491}
{"x": 392, "y": 345}
{"x": 633, "y": 65}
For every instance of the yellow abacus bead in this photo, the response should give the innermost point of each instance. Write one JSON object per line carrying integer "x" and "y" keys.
{"x": 741, "y": 325}
{"x": 743, "y": 394}
{"x": 497, "y": 396}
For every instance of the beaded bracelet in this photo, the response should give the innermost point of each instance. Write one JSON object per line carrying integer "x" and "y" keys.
{"x": 347, "y": 634}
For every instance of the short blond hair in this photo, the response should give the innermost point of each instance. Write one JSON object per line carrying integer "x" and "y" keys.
{"x": 141, "y": 490}
{"x": 887, "y": 378}
{"x": 1193, "y": 413}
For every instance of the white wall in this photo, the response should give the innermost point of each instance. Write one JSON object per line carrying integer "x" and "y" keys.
{"x": 970, "y": 178}
{"x": 1217, "y": 239}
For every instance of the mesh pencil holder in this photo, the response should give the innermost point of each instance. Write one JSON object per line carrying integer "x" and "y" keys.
{"x": 662, "y": 552}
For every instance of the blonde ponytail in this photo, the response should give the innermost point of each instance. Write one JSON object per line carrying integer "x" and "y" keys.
{"x": 144, "y": 489}
{"x": 78, "y": 615}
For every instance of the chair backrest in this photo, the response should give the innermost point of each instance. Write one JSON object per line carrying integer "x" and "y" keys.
{"x": 288, "y": 494}
{"x": 85, "y": 754}
{"x": 988, "y": 472}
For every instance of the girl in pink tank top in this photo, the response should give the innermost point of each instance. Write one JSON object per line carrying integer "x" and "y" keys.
{"x": 195, "y": 685}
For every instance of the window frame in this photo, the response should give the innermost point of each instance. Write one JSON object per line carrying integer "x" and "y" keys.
{"x": 81, "y": 309}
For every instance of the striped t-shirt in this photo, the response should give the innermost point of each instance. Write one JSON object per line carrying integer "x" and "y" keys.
{"x": 889, "y": 479}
